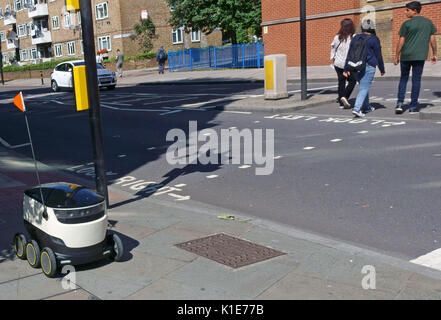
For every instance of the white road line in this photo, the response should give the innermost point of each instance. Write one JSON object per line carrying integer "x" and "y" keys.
{"x": 278, "y": 157}
{"x": 309, "y": 148}
{"x": 170, "y": 112}
{"x": 180, "y": 185}
{"x": 59, "y": 102}
{"x": 336, "y": 140}
{"x": 3, "y": 142}
{"x": 21, "y": 145}
{"x": 212, "y": 176}
{"x": 244, "y": 167}
{"x": 431, "y": 260}
{"x": 166, "y": 101}
{"x": 152, "y": 148}
{"x": 132, "y": 110}
{"x": 122, "y": 156}
{"x": 240, "y": 112}
{"x": 363, "y": 132}
{"x": 313, "y": 89}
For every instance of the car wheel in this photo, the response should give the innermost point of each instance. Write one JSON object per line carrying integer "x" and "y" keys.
{"x": 48, "y": 262}
{"x": 33, "y": 254}
{"x": 54, "y": 86}
{"x": 20, "y": 246}
{"x": 111, "y": 87}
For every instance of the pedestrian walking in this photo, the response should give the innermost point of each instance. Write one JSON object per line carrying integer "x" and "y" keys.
{"x": 99, "y": 58}
{"x": 339, "y": 51}
{"x": 161, "y": 58}
{"x": 412, "y": 52}
{"x": 368, "y": 44}
{"x": 119, "y": 62}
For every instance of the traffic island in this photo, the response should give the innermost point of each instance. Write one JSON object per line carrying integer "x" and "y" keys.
{"x": 292, "y": 103}
{"x": 430, "y": 113}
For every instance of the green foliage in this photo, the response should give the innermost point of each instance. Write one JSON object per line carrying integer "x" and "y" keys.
{"x": 239, "y": 20}
{"x": 41, "y": 66}
{"x": 145, "y": 32}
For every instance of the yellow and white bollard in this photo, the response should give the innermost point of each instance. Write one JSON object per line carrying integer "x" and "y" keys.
{"x": 276, "y": 85}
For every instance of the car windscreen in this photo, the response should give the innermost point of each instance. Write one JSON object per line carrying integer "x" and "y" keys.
{"x": 76, "y": 64}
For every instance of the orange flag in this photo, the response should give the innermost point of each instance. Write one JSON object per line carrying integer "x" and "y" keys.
{"x": 19, "y": 103}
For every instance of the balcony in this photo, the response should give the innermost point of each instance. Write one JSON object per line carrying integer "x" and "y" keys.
{"x": 41, "y": 36}
{"x": 12, "y": 43}
{"x": 38, "y": 10}
{"x": 10, "y": 18}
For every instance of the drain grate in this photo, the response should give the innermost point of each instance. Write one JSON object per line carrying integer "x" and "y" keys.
{"x": 230, "y": 251}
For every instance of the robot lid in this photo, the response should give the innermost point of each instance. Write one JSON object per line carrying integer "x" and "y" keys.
{"x": 65, "y": 195}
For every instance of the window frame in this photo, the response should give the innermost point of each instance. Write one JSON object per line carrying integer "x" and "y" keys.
{"x": 101, "y": 5}
{"x": 60, "y": 46}
{"x": 108, "y": 39}
{"x": 55, "y": 18}
{"x": 176, "y": 32}
{"x": 71, "y": 44}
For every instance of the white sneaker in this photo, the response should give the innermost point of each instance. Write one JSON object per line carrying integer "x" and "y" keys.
{"x": 345, "y": 102}
{"x": 358, "y": 113}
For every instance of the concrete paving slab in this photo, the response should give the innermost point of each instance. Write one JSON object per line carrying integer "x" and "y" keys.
{"x": 295, "y": 248}
{"x": 166, "y": 289}
{"x": 162, "y": 243}
{"x": 16, "y": 269}
{"x": 133, "y": 231}
{"x": 342, "y": 267}
{"x": 107, "y": 288}
{"x": 244, "y": 283}
{"x": 301, "y": 287}
{"x": 34, "y": 287}
{"x": 213, "y": 225}
{"x": 142, "y": 269}
{"x": 78, "y": 294}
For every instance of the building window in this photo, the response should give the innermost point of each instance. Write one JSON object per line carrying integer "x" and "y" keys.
{"x": 33, "y": 53}
{"x": 18, "y": 6}
{"x": 8, "y": 8}
{"x": 82, "y": 47}
{"x": 177, "y": 35}
{"x": 101, "y": 11}
{"x": 55, "y": 23}
{"x": 2, "y": 36}
{"x": 195, "y": 36}
{"x": 5, "y": 58}
{"x": 71, "y": 48}
{"x": 29, "y": 28}
{"x": 79, "y": 17}
{"x": 104, "y": 43}
{"x": 24, "y": 55}
{"x": 1, "y": 13}
{"x": 21, "y": 30}
{"x": 67, "y": 21}
{"x": 58, "y": 50}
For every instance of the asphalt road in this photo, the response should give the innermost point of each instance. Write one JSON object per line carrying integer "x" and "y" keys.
{"x": 374, "y": 182}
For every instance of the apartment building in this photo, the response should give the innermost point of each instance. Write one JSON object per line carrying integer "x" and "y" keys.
{"x": 33, "y": 31}
{"x": 281, "y": 25}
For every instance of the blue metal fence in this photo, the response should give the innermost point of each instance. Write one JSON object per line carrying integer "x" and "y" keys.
{"x": 239, "y": 56}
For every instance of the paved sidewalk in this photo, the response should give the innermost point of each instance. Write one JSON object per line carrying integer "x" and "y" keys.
{"x": 312, "y": 267}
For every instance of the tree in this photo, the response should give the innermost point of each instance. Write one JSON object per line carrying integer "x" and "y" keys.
{"x": 239, "y": 20}
{"x": 145, "y": 32}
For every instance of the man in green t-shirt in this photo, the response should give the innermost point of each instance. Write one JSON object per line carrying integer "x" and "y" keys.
{"x": 412, "y": 51}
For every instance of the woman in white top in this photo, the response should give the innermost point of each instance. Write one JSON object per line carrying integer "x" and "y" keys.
{"x": 339, "y": 51}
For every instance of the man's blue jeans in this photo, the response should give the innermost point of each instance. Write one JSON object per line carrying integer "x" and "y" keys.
{"x": 365, "y": 79}
{"x": 417, "y": 72}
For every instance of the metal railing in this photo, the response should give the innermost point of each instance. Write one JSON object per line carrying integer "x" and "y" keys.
{"x": 238, "y": 56}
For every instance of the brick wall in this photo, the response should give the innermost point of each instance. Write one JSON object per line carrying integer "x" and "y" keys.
{"x": 285, "y": 38}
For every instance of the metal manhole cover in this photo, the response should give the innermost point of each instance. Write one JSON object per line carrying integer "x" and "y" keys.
{"x": 230, "y": 251}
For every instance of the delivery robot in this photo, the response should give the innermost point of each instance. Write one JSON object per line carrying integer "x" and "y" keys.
{"x": 67, "y": 224}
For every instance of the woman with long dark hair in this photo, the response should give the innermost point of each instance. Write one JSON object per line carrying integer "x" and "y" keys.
{"x": 339, "y": 51}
